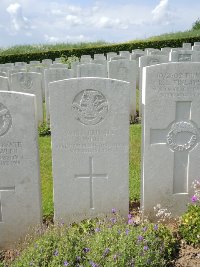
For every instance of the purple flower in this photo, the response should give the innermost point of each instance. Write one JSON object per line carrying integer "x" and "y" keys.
{"x": 93, "y": 264}
{"x": 113, "y": 220}
{"x": 86, "y": 250}
{"x": 145, "y": 248}
{"x": 127, "y": 231}
{"x": 114, "y": 210}
{"x": 155, "y": 227}
{"x": 194, "y": 199}
{"x": 129, "y": 216}
{"x": 130, "y": 221}
{"x": 115, "y": 257}
{"x": 97, "y": 230}
{"x": 140, "y": 238}
{"x": 107, "y": 250}
{"x": 66, "y": 263}
{"x": 144, "y": 229}
{"x": 56, "y": 252}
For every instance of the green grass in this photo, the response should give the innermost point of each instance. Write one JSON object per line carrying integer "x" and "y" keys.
{"x": 46, "y": 169}
{"x": 172, "y": 35}
{"x": 24, "y": 49}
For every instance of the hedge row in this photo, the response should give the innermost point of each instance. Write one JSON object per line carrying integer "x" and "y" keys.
{"x": 97, "y": 50}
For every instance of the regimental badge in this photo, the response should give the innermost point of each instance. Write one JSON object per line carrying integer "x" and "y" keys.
{"x": 90, "y": 107}
{"x": 5, "y": 120}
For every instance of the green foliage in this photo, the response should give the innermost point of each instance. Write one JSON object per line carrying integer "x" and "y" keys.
{"x": 69, "y": 60}
{"x": 109, "y": 242}
{"x": 44, "y": 129}
{"x": 91, "y": 50}
{"x": 190, "y": 225}
{"x": 196, "y": 25}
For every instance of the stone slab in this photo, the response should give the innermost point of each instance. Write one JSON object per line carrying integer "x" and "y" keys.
{"x": 29, "y": 82}
{"x": 171, "y": 136}
{"x": 20, "y": 197}
{"x": 90, "y": 147}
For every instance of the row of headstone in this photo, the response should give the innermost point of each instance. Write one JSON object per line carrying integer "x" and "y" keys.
{"x": 90, "y": 124}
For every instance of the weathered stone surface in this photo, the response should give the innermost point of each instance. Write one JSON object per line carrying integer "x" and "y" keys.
{"x": 29, "y": 82}
{"x": 4, "y": 84}
{"x": 90, "y": 140}
{"x": 171, "y": 135}
{"x": 91, "y": 70}
{"x": 125, "y": 70}
{"x": 20, "y": 203}
{"x": 51, "y": 75}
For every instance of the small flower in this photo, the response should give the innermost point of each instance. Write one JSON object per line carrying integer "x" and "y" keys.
{"x": 113, "y": 220}
{"x": 129, "y": 216}
{"x": 145, "y": 248}
{"x": 140, "y": 238}
{"x": 155, "y": 227}
{"x": 194, "y": 199}
{"x": 107, "y": 250}
{"x": 114, "y": 210}
{"x": 93, "y": 264}
{"x": 115, "y": 257}
{"x": 127, "y": 231}
{"x": 144, "y": 229}
{"x": 56, "y": 252}
{"x": 97, "y": 230}
{"x": 66, "y": 263}
{"x": 86, "y": 250}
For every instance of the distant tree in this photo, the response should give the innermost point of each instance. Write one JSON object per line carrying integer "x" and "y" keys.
{"x": 196, "y": 25}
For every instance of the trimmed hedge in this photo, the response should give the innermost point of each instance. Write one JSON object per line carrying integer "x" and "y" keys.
{"x": 97, "y": 49}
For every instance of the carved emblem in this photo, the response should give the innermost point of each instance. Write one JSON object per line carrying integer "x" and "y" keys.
{"x": 5, "y": 120}
{"x": 181, "y": 128}
{"x": 90, "y": 107}
{"x": 184, "y": 57}
{"x": 26, "y": 82}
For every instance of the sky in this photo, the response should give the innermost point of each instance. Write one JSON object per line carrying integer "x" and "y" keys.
{"x": 56, "y": 21}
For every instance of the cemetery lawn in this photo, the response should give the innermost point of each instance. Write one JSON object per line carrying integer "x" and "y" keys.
{"x": 46, "y": 170}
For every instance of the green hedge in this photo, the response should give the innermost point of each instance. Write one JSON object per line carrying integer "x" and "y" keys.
{"x": 97, "y": 49}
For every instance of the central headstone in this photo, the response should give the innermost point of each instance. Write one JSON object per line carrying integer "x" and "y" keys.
{"x": 90, "y": 140}
{"x": 171, "y": 135}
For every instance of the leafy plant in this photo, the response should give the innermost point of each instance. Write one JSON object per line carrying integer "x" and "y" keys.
{"x": 190, "y": 222}
{"x": 106, "y": 242}
{"x": 196, "y": 25}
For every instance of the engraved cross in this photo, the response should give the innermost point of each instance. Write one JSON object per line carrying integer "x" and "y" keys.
{"x": 181, "y": 136}
{"x": 4, "y": 189}
{"x": 91, "y": 176}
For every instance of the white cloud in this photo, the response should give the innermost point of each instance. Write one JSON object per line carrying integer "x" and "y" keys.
{"x": 106, "y": 22}
{"x": 162, "y": 13}
{"x": 18, "y": 21}
{"x": 67, "y": 38}
{"x": 73, "y": 20}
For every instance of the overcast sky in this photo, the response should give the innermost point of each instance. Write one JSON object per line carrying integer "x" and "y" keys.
{"x": 53, "y": 21}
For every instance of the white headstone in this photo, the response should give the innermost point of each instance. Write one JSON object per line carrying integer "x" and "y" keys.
{"x": 86, "y": 59}
{"x": 125, "y": 70}
{"x": 184, "y": 56}
{"x": 91, "y": 70}
{"x": 58, "y": 65}
{"x": 187, "y": 46}
{"x": 20, "y": 201}
{"x": 51, "y": 75}
{"x": 110, "y": 54}
{"x": 34, "y": 62}
{"x": 47, "y": 62}
{"x": 29, "y": 82}
{"x": 90, "y": 144}
{"x": 39, "y": 69}
{"x": 4, "y": 84}
{"x": 99, "y": 57}
{"x": 171, "y": 135}
{"x": 3, "y": 74}
{"x": 20, "y": 64}
{"x": 145, "y": 61}
{"x": 125, "y": 54}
